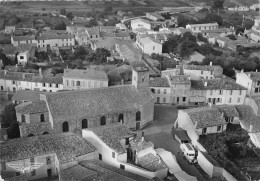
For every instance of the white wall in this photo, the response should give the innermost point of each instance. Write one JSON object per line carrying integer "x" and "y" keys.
{"x": 70, "y": 83}
{"x": 140, "y": 24}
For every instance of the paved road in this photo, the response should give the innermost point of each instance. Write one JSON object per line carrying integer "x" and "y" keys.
{"x": 160, "y": 134}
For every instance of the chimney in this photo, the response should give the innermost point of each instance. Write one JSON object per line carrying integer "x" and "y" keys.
{"x": 142, "y": 136}
{"x": 205, "y": 83}
{"x": 256, "y": 70}
{"x": 40, "y": 72}
{"x": 251, "y": 128}
{"x": 242, "y": 71}
{"x": 249, "y": 75}
{"x": 196, "y": 124}
{"x": 5, "y": 72}
{"x": 210, "y": 63}
{"x": 189, "y": 77}
{"x": 159, "y": 160}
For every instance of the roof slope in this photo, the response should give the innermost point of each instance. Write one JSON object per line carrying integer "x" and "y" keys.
{"x": 112, "y": 134}
{"x": 66, "y": 105}
{"x": 85, "y": 74}
{"x": 229, "y": 111}
{"x": 216, "y": 84}
{"x": 27, "y": 95}
{"x": 159, "y": 82}
{"x": 205, "y": 117}
{"x": 32, "y": 107}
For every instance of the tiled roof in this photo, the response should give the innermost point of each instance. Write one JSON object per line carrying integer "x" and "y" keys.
{"x": 107, "y": 35}
{"x": 151, "y": 163}
{"x": 8, "y": 49}
{"x": 200, "y": 67}
{"x": 159, "y": 82}
{"x": 148, "y": 40}
{"x": 248, "y": 117}
{"x": 65, "y": 146}
{"x": 112, "y": 134}
{"x": 11, "y": 176}
{"x": 139, "y": 20}
{"x": 110, "y": 173}
{"x": 25, "y": 47}
{"x": 255, "y": 76}
{"x": 205, "y": 117}
{"x": 208, "y": 24}
{"x": 92, "y": 31}
{"x": 157, "y": 15}
{"x": 139, "y": 145}
{"x": 23, "y": 38}
{"x": 219, "y": 30}
{"x": 85, "y": 74}
{"x": 179, "y": 79}
{"x": 50, "y": 36}
{"x": 27, "y": 95}
{"x": 77, "y": 172}
{"x": 36, "y": 128}
{"x": 216, "y": 84}
{"x": 96, "y": 101}
{"x": 229, "y": 111}
{"x": 32, "y": 107}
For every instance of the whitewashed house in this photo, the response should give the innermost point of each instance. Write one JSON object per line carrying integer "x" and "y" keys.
{"x": 199, "y": 27}
{"x": 140, "y": 23}
{"x": 149, "y": 45}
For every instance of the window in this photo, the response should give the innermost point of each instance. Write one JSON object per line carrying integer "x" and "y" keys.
{"x": 219, "y": 100}
{"x": 230, "y": 99}
{"x": 164, "y": 100}
{"x": 2, "y": 87}
{"x": 50, "y": 85}
{"x": 204, "y": 130}
{"x": 43, "y": 84}
{"x": 21, "y": 57}
{"x": 57, "y": 85}
{"x": 256, "y": 89}
{"x": 231, "y": 91}
{"x": 122, "y": 166}
{"x": 158, "y": 99}
{"x": 153, "y": 90}
{"x": 48, "y": 160}
{"x": 96, "y": 36}
{"x": 36, "y": 84}
{"x": 202, "y": 72}
{"x": 158, "y": 91}
{"x": 138, "y": 116}
{"x": 67, "y": 82}
{"x": 209, "y": 100}
{"x": 219, "y": 128}
{"x": 100, "y": 156}
{"x": 113, "y": 155}
{"x": 258, "y": 82}
{"x": 84, "y": 123}
{"x": 143, "y": 79}
{"x": 220, "y": 92}
{"x": 23, "y": 118}
{"x": 33, "y": 172}
{"x": 42, "y": 118}
{"x": 165, "y": 91}
{"x": 211, "y": 72}
{"x": 127, "y": 141}
{"x": 183, "y": 99}
{"x": 238, "y": 100}
{"x": 65, "y": 126}
{"x": 44, "y": 133}
{"x": 240, "y": 92}
{"x": 78, "y": 83}
{"x": 103, "y": 120}
{"x": 121, "y": 118}
{"x": 13, "y": 82}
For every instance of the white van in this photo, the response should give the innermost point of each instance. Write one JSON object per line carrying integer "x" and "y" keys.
{"x": 188, "y": 152}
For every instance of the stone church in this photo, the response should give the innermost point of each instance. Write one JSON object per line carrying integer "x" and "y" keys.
{"x": 72, "y": 111}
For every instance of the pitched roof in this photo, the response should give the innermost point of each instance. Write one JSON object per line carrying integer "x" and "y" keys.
{"x": 206, "y": 24}
{"x": 50, "y": 36}
{"x": 219, "y": 30}
{"x": 205, "y": 117}
{"x": 27, "y": 95}
{"x": 85, "y": 74}
{"x": 151, "y": 163}
{"x": 179, "y": 79}
{"x": 139, "y": 20}
{"x": 228, "y": 110}
{"x": 138, "y": 144}
{"x": 200, "y": 67}
{"x": 148, "y": 40}
{"x": 255, "y": 76}
{"x": 25, "y": 47}
{"x": 23, "y": 38}
{"x": 96, "y": 101}
{"x": 37, "y": 128}
{"x": 112, "y": 134}
{"x": 65, "y": 146}
{"x": 216, "y": 84}
{"x": 8, "y": 49}
{"x": 159, "y": 82}
{"x": 32, "y": 107}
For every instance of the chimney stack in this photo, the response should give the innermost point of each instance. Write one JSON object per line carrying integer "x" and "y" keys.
{"x": 210, "y": 63}
{"x": 5, "y": 72}
{"x": 242, "y": 71}
{"x": 205, "y": 83}
{"x": 142, "y": 136}
{"x": 40, "y": 72}
{"x": 256, "y": 70}
{"x": 251, "y": 128}
{"x": 249, "y": 75}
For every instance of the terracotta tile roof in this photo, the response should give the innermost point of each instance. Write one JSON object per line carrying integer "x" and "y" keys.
{"x": 139, "y": 20}
{"x": 36, "y": 128}
{"x": 179, "y": 79}
{"x": 200, "y": 67}
{"x": 248, "y": 117}
{"x": 255, "y": 76}
{"x": 25, "y": 47}
{"x": 229, "y": 111}
{"x": 92, "y": 31}
{"x": 111, "y": 173}
{"x": 50, "y": 36}
{"x": 107, "y": 35}
{"x": 205, "y": 117}
{"x": 27, "y": 95}
{"x": 23, "y": 38}
{"x": 8, "y": 49}
{"x": 148, "y": 40}
{"x": 64, "y": 145}
{"x": 77, "y": 172}
{"x": 139, "y": 145}
{"x": 159, "y": 82}
{"x": 32, "y": 107}
{"x": 112, "y": 134}
{"x": 216, "y": 84}
{"x": 219, "y": 30}
{"x": 96, "y": 101}
{"x": 151, "y": 163}
{"x": 85, "y": 74}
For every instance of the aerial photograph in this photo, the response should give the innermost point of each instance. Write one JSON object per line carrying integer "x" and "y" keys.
{"x": 129, "y": 90}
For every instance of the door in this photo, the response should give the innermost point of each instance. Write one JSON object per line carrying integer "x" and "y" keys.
{"x": 178, "y": 100}
{"x": 100, "y": 156}
{"x": 49, "y": 173}
{"x": 138, "y": 125}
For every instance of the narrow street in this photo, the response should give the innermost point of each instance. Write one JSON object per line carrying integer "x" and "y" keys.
{"x": 160, "y": 133}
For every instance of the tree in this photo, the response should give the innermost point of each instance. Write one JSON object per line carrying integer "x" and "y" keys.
{"x": 60, "y": 26}
{"x": 108, "y": 8}
{"x": 6, "y": 61}
{"x": 13, "y": 131}
{"x": 218, "y": 4}
{"x": 63, "y": 11}
{"x": 70, "y": 15}
{"x": 202, "y": 38}
{"x": 8, "y": 116}
{"x": 81, "y": 52}
{"x": 92, "y": 23}
{"x": 100, "y": 56}
{"x": 212, "y": 17}
{"x": 232, "y": 37}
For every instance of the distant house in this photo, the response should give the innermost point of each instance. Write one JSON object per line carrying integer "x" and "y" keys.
{"x": 22, "y": 96}
{"x": 219, "y": 32}
{"x": 149, "y": 45}
{"x": 128, "y": 51}
{"x": 161, "y": 89}
{"x": 199, "y": 27}
{"x": 25, "y": 52}
{"x": 74, "y": 79}
{"x": 9, "y": 29}
{"x": 16, "y": 40}
{"x": 200, "y": 121}
{"x": 155, "y": 16}
{"x": 239, "y": 8}
{"x": 196, "y": 56}
{"x": 140, "y": 23}
{"x": 179, "y": 30}
{"x": 122, "y": 26}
